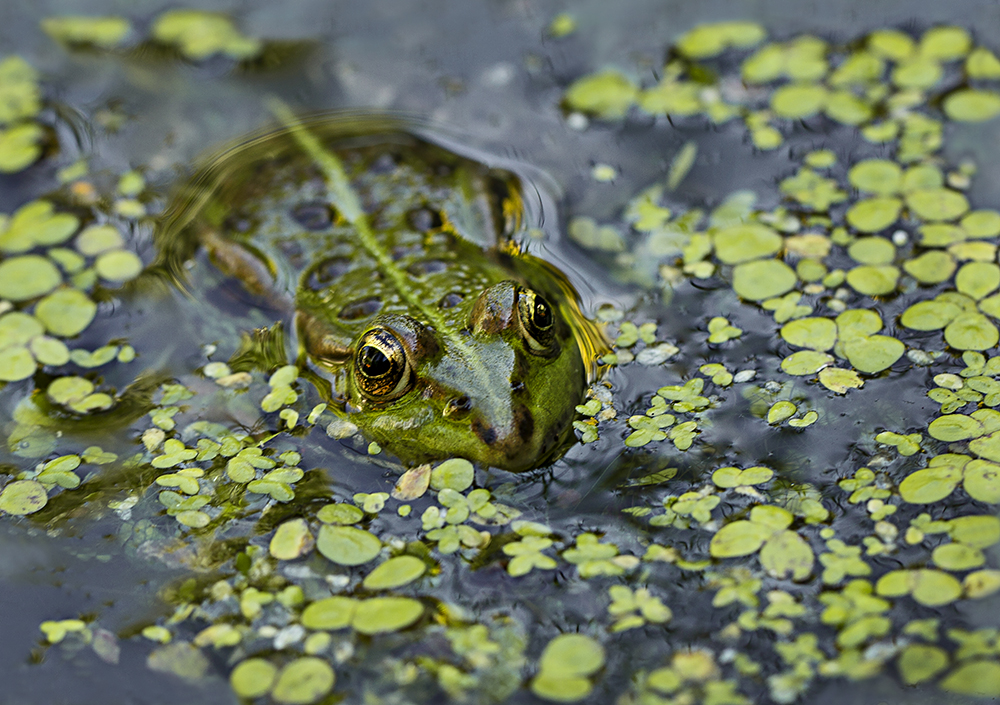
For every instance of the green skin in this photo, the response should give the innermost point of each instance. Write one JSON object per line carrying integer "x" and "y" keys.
{"x": 428, "y": 263}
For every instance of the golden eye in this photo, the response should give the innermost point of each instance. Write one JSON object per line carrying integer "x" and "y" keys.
{"x": 381, "y": 369}
{"x": 537, "y": 322}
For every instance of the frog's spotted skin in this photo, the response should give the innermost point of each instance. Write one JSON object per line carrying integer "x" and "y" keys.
{"x": 441, "y": 339}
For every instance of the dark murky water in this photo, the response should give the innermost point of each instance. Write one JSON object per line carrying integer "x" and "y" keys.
{"x": 491, "y": 78}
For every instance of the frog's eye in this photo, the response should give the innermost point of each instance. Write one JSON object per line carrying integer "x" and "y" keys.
{"x": 537, "y": 320}
{"x": 381, "y": 368}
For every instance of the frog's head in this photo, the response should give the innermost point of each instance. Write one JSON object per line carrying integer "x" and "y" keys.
{"x": 500, "y": 391}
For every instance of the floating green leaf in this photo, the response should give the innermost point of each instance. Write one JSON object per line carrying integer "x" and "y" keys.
{"x": 66, "y": 312}
{"x": 978, "y": 677}
{"x": 806, "y": 362}
{"x": 199, "y": 35}
{"x": 253, "y": 678}
{"x": 812, "y": 333}
{"x": 19, "y": 145}
{"x": 932, "y": 267}
{"x": 742, "y": 243}
{"x": 456, "y": 474}
{"x": 920, "y": 662}
{"x": 945, "y": 43}
{"x": 330, "y": 613}
{"x": 291, "y": 540}
{"x": 708, "y": 40}
{"x": 977, "y": 279}
{"x": 98, "y": 239}
{"x": 874, "y": 214}
{"x": 608, "y": 95}
{"x": 763, "y": 279}
{"x": 873, "y": 280}
{"x": 798, "y": 100}
{"x": 872, "y": 250}
{"x": 20, "y": 96}
{"x": 340, "y": 513}
{"x": 872, "y": 354}
{"x": 394, "y": 573}
{"x": 878, "y": 176}
{"x": 118, "y": 265}
{"x": 303, "y": 681}
{"x": 27, "y": 277}
{"x": 972, "y": 105}
{"x": 380, "y": 615}
{"x": 347, "y": 545}
{"x": 16, "y": 363}
{"x": 937, "y": 204}
{"x": 23, "y": 497}
{"x": 36, "y": 223}
{"x": 564, "y": 666}
{"x": 971, "y": 331}
{"x": 103, "y": 32}
{"x": 931, "y": 588}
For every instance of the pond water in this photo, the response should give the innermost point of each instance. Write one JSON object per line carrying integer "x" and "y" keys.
{"x": 786, "y": 477}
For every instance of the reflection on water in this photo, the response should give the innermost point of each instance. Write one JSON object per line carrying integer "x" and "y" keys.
{"x": 785, "y": 482}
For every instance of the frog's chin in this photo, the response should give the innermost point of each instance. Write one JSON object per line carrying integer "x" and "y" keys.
{"x": 517, "y": 445}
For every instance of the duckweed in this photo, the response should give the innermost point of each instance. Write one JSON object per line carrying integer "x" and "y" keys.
{"x": 347, "y": 545}
{"x": 104, "y": 32}
{"x": 253, "y": 678}
{"x": 23, "y": 497}
{"x": 303, "y": 681}
{"x": 564, "y": 668}
{"x": 199, "y": 34}
{"x": 395, "y": 573}
{"x": 27, "y": 277}
{"x": 379, "y": 615}
{"x": 972, "y": 105}
{"x": 763, "y": 279}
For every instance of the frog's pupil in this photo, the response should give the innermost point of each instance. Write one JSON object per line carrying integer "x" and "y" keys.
{"x": 374, "y": 363}
{"x": 543, "y": 314}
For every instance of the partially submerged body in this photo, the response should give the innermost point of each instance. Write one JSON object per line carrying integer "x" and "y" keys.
{"x": 438, "y": 335}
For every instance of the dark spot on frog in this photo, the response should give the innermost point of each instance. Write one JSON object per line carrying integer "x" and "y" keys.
{"x": 399, "y": 253}
{"x": 516, "y": 387}
{"x": 327, "y": 271}
{"x": 422, "y": 269}
{"x": 360, "y": 309}
{"x": 523, "y": 426}
{"x": 424, "y": 219}
{"x": 524, "y": 422}
{"x": 292, "y": 250}
{"x": 487, "y": 434}
{"x": 383, "y": 165}
{"x": 237, "y": 224}
{"x": 314, "y": 215}
{"x": 450, "y": 300}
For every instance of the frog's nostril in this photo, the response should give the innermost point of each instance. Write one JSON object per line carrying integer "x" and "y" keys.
{"x": 458, "y": 407}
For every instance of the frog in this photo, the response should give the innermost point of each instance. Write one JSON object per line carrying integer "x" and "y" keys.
{"x": 401, "y": 266}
